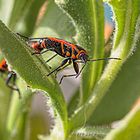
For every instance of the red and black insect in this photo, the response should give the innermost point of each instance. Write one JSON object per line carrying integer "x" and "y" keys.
{"x": 11, "y": 75}
{"x": 71, "y": 52}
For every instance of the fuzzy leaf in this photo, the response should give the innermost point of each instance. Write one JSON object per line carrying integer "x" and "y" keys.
{"x": 32, "y": 69}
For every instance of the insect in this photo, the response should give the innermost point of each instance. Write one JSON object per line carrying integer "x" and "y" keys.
{"x": 11, "y": 75}
{"x": 70, "y": 52}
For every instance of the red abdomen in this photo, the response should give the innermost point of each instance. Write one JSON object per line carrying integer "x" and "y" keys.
{"x": 3, "y": 65}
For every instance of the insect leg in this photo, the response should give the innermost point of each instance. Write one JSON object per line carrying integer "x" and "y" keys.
{"x": 76, "y": 68}
{"x": 12, "y": 86}
{"x": 63, "y": 67}
{"x": 66, "y": 76}
{"x": 80, "y": 71}
{"x": 51, "y": 58}
{"x": 62, "y": 64}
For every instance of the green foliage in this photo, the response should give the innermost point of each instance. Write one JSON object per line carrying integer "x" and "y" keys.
{"x": 122, "y": 100}
{"x": 105, "y": 93}
{"x": 129, "y": 128}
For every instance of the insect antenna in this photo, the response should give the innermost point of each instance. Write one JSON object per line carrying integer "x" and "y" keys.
{"x": 23, "y": 36}
{"x": 30, "y": 38}
{"x": 98, "y": 59}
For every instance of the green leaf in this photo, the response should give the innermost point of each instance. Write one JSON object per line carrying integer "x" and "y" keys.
{"x": 90, "y": 30}
{"x": 117, "y": 102}
{"x": 129, "y": 127}
{"x": 32, "y": 69}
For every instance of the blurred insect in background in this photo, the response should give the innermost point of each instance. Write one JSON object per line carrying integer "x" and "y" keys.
{"x": 71, "y": 52}
{"x": 11, "y": 75}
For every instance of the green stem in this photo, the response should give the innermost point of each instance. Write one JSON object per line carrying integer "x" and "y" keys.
{"x": 98, "y": 50}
